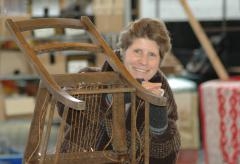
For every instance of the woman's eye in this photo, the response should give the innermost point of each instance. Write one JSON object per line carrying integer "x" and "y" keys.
{"x": 152, "y": 55}
{"x": 137, "y": 51}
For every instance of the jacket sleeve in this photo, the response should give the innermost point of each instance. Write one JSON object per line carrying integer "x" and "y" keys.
{"x": 159, "y": 120}
{"x": 167, "y": 143}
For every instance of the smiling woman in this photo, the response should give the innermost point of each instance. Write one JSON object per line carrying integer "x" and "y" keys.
{"x": 142, "y": 46}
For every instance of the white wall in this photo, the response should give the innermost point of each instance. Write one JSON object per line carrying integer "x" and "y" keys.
{"x": 171, "y": 10}
{"x": 39, "y": 5}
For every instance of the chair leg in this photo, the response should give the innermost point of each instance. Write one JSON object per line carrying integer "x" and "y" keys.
{"x": 37, "y": 125}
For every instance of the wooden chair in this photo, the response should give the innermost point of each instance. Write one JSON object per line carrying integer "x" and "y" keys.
{"x": 77, "y": 99}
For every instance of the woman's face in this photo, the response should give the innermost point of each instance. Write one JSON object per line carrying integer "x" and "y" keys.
{"x": 142, "y": 58}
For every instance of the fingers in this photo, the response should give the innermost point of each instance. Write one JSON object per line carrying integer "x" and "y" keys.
{"x": 149, "y": 85}
{"x": 159, "y": 92}
{"x": 154, "y": 87}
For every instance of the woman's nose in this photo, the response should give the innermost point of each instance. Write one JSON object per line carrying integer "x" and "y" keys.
{"x": 143, "y": 60}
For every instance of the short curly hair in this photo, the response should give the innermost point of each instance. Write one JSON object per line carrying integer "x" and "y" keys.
{"x": 152, "y": 29}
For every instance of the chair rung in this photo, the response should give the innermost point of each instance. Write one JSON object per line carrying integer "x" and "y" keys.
{"x": 59, "y": 46}
{"x": 25, "y": 25}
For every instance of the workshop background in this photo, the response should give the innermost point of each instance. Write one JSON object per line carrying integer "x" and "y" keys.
{"x": 203, "y": 68}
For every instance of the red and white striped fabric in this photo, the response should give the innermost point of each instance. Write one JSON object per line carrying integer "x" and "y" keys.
{"x": 220, "y": 116}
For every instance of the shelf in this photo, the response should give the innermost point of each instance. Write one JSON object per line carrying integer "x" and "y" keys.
{"x": 19, "y": 77}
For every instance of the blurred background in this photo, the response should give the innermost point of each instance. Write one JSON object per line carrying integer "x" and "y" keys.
{"x": 187, "y": 66}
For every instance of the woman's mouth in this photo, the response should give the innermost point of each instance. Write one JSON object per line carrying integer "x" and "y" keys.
{"x": 140, "y": 70}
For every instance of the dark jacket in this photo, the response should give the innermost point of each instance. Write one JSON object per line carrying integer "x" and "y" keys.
{"x": 164, "y": 148}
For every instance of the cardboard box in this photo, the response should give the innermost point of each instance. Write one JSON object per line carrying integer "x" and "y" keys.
{"x": 108, "y": 7}
{"x": 186, "y": 97}
{"x": 19, "y": 106}
{"x": 109, "y": 23}
{"x": 109, "y": 15}
{"x": 54, "y": 63}
{"x": 13, "y": 62}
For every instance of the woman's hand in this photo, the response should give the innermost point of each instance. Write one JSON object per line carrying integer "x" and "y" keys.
{"x": 153, "y": 87}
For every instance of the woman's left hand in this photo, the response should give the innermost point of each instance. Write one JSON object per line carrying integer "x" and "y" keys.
{"x": 153, "y": 87}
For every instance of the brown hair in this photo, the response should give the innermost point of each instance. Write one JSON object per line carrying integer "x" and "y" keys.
{"x": 152, "y": 29}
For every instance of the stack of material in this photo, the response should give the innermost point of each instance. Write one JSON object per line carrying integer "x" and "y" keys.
{"x": 220, "y": 108}
{"x": 109, "y": 15}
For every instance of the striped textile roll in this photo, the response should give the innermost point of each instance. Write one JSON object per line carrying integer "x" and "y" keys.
{"x": 220, "y": 118}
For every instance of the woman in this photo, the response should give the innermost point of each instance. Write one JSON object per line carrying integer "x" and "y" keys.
{"x": 142, "y": 46}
